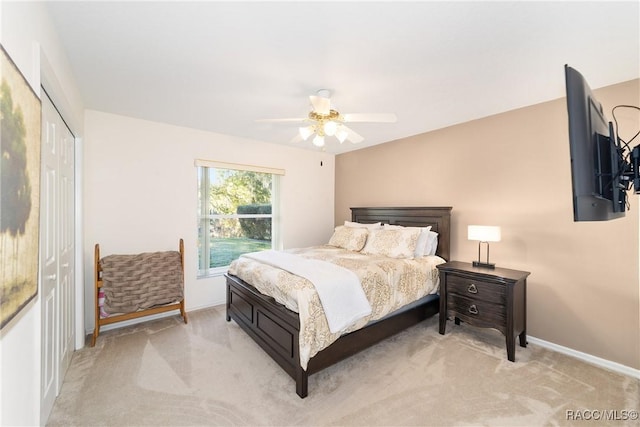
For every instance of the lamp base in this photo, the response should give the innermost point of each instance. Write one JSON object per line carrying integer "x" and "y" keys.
{"x": 483, "y": 265}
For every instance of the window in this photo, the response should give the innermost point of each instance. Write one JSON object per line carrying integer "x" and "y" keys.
{"x": 237, "y": 213}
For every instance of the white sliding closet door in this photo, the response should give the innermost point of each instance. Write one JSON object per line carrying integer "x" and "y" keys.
{"x": 56, "y": 253}
{"x": 66, "y": 238}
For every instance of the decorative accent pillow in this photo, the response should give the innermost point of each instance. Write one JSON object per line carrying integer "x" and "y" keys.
{"x": 423, "y": 245}
{"x": 394, "y": 243}
{"x": 373, "y": 226}
{"x": 351, "y": 238}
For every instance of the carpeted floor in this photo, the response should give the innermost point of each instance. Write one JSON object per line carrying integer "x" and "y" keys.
{"x": 209, "y": 372}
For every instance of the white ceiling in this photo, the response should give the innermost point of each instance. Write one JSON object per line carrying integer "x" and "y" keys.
{"x": 219, "y": 66}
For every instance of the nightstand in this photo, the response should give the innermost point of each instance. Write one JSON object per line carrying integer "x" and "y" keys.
{"x": 487, "y": 298}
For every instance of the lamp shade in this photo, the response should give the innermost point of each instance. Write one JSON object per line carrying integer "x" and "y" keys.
{"x": 330, "y": 128}
{"x": 484, "y": 233}
{"x": 318, "y": 141}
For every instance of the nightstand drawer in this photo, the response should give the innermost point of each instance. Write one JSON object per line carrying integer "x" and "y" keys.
{"x": 477, "y": 289}
{"x": 474, "y": 311}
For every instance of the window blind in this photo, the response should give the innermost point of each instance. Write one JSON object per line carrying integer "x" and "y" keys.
{"x": 238, "y": 166}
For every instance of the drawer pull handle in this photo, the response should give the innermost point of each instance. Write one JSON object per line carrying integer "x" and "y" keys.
{"x": 473, "y": 309}
{"x": 472, "y": 289}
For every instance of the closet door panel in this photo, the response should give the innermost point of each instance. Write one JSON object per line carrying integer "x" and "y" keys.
{"x": 49, "y": 257}
{"x": 66, "y": 250}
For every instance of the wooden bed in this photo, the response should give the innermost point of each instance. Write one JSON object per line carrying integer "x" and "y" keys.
{"x": 276, "y": 329}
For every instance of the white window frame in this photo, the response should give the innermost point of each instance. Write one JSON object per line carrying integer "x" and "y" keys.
{"x": 204, "y": 216}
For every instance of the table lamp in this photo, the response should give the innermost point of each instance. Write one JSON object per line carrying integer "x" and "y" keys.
{"x": 483, "y": 234}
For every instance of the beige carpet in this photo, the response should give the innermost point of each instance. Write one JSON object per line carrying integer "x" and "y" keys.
{"x": 209, "y": 372}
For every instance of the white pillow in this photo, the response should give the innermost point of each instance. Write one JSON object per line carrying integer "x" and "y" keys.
{"x": 373, "y": 226}
{"x": 350, "y": 238}
{"x": 423, "y": 239}
{"x": 432, "y": 243}
{"x": 394, "y": 243}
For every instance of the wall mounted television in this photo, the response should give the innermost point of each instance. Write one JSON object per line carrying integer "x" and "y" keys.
{"x": 602, "y": 168}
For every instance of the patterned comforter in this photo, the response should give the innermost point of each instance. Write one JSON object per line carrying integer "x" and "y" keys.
{"x": 388, "y": 283}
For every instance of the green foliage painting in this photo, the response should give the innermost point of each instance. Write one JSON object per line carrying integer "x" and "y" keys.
{"x": 19, "y": 190}
{"x": 16, "y": 188}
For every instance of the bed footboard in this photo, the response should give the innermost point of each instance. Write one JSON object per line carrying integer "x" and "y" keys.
{"x": 277, "y": 329}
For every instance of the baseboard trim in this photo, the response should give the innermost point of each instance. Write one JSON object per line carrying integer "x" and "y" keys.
{"x": 603, "y": 363}
{"x": 130, "y": 322}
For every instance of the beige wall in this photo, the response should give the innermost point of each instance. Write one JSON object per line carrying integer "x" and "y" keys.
{"x": 513, "y": 170}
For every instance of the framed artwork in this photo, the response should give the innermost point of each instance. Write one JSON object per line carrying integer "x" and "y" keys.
{"x": 20, "y": 132}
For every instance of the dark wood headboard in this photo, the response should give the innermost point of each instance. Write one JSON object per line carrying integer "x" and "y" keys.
{"x": 439, "y": 218}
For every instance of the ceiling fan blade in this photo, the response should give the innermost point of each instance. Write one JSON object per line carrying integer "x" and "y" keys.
{"x": 321, "y": 105}
{"x": 296, "y": 139}
{"x": 372, "y": 118}
{"x": 353, "y": 136}
{"x": 299, "y": 119}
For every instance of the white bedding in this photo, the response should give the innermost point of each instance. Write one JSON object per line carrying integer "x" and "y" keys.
{"x": 339, "y": 289}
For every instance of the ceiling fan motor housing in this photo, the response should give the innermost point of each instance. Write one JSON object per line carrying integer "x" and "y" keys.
{"x": 333, "y": 115}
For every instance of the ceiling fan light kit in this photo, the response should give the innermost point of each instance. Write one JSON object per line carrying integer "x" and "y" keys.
{"x": 318, "y": 141}
{"x": 330, "y": 128}
{"x": 329, "y": 122}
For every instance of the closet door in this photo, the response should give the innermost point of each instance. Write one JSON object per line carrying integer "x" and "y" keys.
{"x": 56, "y": 253}
{"x": 66, "y": 237}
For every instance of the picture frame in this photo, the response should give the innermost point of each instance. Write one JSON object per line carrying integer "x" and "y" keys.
{"x": 20, "y": 140}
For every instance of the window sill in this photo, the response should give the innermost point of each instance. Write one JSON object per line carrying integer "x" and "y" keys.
{"x": 213, "y": 273}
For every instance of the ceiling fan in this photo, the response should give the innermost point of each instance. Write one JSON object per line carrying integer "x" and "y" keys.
{"x": 324, "y": 121}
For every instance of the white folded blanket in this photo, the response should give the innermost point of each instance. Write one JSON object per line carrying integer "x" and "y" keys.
{"x": 339, "y": 289}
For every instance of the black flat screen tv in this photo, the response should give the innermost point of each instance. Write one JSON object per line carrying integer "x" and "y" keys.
{"x": 597, "y": 162}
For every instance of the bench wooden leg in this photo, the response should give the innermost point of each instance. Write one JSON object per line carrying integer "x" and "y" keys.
{"x": 183, "y": 312}
{"x": 94, "y": 337}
